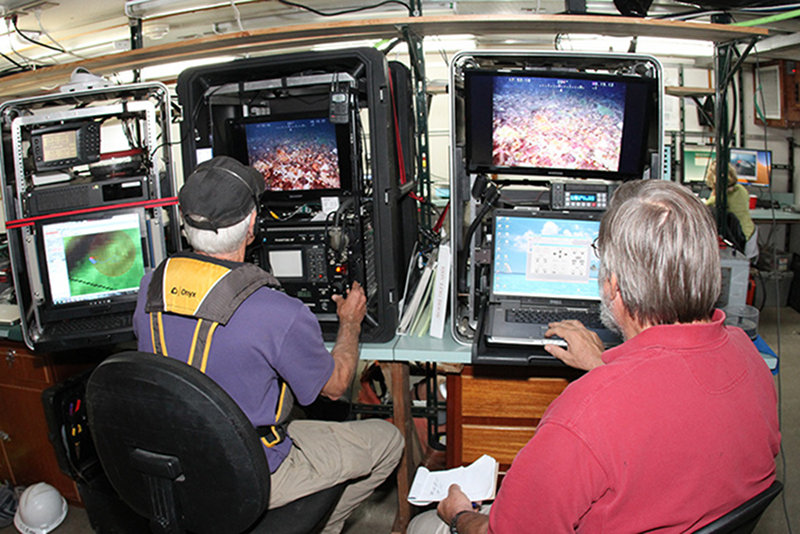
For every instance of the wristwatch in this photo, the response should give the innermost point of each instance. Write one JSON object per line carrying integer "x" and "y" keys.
{"x": 454, "y": 521}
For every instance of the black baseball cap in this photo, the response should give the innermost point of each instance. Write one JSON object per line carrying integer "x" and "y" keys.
{"x": 221, "y": 192}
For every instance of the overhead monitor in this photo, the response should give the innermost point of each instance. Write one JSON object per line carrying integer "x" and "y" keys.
{"x": 557, "y": 124}
{"x": 298, "y": 155}
{"x": 92, "y": 261}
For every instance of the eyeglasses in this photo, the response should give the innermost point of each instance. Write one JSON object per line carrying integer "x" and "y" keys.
{"x": 596, "y": 247}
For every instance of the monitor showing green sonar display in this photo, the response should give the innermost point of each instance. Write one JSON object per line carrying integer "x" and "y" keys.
{"x": 93, "y": 258}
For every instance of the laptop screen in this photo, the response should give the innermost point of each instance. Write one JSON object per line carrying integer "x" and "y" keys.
{"x": 545, "y": 254}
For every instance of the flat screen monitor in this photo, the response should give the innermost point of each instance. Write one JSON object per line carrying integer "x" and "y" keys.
{"x": 696, "y": 159}
{"x": 298, "y": 155}
{"x": 92, "y": 261}
{"x": 557, "y": 124}
{"x": 753, "y": 167}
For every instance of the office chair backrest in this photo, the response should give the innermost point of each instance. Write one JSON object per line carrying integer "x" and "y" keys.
{"x": 175, "y": 446}
{"x": 743, "y": 518}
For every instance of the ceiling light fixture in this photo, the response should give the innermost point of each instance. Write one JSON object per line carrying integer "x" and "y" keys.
{"x": 144, "y": 9}
{"x": 657, "y": 46}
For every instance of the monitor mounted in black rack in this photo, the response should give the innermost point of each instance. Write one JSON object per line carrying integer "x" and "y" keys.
{"x": 564, "y": 124}
{"x": 301, "y": 156}
{"x": 92, "y": 263}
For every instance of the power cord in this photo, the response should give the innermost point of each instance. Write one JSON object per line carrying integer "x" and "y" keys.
{"x": 345, "y": 11}
{"x": 759, "y": 93}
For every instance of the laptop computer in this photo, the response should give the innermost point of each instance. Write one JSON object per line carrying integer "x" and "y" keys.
{"x": 543, "y": 270}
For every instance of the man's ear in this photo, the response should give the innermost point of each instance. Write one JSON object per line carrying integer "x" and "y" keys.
{"x": 611, "y": 287}
{"x": 250, "y": 233}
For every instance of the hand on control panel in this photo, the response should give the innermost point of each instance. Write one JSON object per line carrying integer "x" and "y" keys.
{"x": 352, "y": 306}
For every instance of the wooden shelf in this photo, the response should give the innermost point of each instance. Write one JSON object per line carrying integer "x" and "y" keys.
{"x": 676, "y": 90}
{"x": 305, "y": 35}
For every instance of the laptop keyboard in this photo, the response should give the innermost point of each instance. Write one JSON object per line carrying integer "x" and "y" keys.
{"x": 91, "y": 325}
{"x": 589, "y": 319}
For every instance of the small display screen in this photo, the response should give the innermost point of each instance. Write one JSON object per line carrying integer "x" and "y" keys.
{"x": 60, "y": 145}
{"x": 294, "y": 155}
{"x": 286, "y": 263}
{"x": 583, "y": 197}
{"x": 93, "y": 258}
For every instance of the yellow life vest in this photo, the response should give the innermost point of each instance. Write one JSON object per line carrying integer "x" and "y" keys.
{"x": 210, "y": 291}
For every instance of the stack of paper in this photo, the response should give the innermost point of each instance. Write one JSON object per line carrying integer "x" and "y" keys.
{"x": 411, "y": 312}
{"x": 477, "y": 480}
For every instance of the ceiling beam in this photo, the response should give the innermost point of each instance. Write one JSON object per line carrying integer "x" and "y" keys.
{"x": 305, "y": 35}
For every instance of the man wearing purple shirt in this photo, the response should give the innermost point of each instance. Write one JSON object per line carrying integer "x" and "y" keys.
{"x": 264, "y": 340}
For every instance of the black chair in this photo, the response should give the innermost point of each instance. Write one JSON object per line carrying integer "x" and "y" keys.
{"x": 180, "y": 451}
{"x": 743, "y": 519}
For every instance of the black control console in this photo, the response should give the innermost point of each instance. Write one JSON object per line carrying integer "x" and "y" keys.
{"x": 307, "y": 267}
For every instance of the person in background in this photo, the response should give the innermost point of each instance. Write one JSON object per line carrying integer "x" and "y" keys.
{"x": 263, "y": 343}
{"x": 666, "y": 432}
{"x": 738, "y": 205}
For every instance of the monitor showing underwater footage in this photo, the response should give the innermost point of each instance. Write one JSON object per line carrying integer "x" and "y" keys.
{"x": 557, "y": 124}
{"x": 296, "y": 154}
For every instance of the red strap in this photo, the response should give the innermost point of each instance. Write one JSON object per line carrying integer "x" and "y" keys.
{"x": 157, "y": 203}
{"x": 400, "y": 160}
{"x": 400, "y": 157}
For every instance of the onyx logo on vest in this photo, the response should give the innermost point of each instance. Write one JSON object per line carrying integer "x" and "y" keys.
{"x": 183, "y": 292}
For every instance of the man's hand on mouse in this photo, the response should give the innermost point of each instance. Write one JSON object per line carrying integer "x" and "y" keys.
{"x": 584, "y": 347}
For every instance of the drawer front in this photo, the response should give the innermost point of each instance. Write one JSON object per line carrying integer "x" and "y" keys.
{"x": 517, "y": 399}
{"x": 19, "y": 367}
{"x": 500, "y": 442}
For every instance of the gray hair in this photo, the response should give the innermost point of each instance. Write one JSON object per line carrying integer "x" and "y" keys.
{"x": 661, "y": 243}
{"x": 223, "y": 241}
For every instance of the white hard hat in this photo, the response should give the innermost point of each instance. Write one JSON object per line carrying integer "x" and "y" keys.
{"x": 41, "y": 509}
